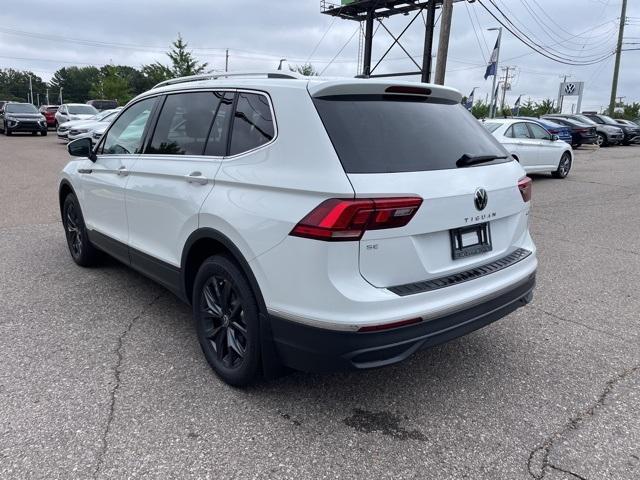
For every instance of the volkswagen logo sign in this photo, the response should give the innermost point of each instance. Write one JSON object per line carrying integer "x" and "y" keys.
{"x": 569, "y": 88}
{"x": 481, "y": 199}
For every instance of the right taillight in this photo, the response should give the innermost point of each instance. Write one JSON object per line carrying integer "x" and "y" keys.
{"x": 339, "y": 220}
{"x": 524, "y": 185}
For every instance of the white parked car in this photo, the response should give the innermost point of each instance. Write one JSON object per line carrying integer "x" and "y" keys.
{"x": 317, "y": 224}
{"x": 63, "y": 130}
{"x": 69, "y": 112}
{"x": 535, "y": 148}
{"x": 86, "y": 128}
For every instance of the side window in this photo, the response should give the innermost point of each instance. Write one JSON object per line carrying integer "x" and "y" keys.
{"x": 252, "y": 123}
{"x": 183, "y": 124}
{"x": 217, "y": 143}
{"x": 539, "y": 132}
{"x": 125, "y": 135}
{"x": 520, "y": 131}
{"x": 509, "y": 132}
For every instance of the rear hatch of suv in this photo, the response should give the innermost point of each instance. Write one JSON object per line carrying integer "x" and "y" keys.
{"x": 406, "y": 142}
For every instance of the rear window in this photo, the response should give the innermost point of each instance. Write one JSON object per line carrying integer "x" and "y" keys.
{"x": 81, "y": 110}
{"x": 387, "y": 134}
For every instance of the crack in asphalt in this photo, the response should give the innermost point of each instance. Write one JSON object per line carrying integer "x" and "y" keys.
{"x": 540, "y": 454}
{"x": 112, "y": 395}
{"x": 569, "y": 472}
{"x": 588, "y": 327}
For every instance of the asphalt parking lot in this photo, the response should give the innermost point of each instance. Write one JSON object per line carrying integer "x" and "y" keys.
{"x": 101, "y": 374}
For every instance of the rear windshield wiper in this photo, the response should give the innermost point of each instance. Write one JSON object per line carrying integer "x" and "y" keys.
{"x": 467, "y": 160}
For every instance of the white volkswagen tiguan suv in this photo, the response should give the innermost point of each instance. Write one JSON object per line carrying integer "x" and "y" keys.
{"x": 310, "y": 223}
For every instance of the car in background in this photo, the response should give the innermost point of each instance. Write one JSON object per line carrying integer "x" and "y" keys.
{"x": 102, "y": 105}
{"x": 581, "y": 133}
{"x": 563, "y": 133}
{"x": 2, "y": 103}
{"x": 608, "y": 121}
{"x": 63, "y": 130}
{"x": 607, "y": 134}
{"x": 49, "y": 112}
{"x": 86, "y": 128}
{"x": 22, "y": 117}
{"x": 537, "y": 150}
{"x": 637, "y": 121}
{"x": 69, "y": 112}
{"x": 631, "y": 130}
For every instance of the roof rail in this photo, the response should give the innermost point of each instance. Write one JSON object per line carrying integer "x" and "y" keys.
{"x": 216, "y": 75}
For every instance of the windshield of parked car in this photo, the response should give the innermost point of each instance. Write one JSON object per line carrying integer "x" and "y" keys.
{"x": 584, "y": 119}
{"x": 491, "y": 126}
{"x": 103, "y": 115}
{"x": 82, "y": 110}
{"x": 608, "y": 120}
{"x": 386, "y": 134}
{"x": 20, "y": 108}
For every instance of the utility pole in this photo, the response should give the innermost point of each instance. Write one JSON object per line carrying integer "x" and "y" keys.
{"x": 493, "y": 108}
{"x": 616, "y": 68}
{"x": 38, "y": 102}
{"x": 443, "y": 44}
{"x": 428, "y": 42}
{"x": 48, "y": 97}
{"x": 31, "y": 88}
{"x": 505, "y": 85}
{"x": 226, "y": 61}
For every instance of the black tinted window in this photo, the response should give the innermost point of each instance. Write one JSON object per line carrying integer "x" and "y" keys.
{"x": 252, "y": 123}
{"x": 126, "y": 133}
{"x": 183, "y": 124}
{"x": 384, "y": 134}
{"x": 217, "y": 144}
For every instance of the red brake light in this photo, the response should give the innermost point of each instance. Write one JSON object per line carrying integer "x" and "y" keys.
{"x": 525, "y": 187}
{"x": 388, "y": 326}
{"x": 339, "y": 219}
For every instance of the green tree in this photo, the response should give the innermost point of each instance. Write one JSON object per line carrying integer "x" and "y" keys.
{"x": 75, "y": 82}
{"x": 183, "y": 62}
{"x": 154, "y": 74}
{"x": 480, "y": 109}
{"x": 14, "y": 85}
{"x": 111, "y": 85}
{"x": 528, "y": 109}
{"x": 307, "y": 70}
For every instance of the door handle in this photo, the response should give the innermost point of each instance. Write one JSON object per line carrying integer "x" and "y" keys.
{"x": 122, "y": 171}
{"x": 197, "y": 177}
{"x": 85, "y": 170}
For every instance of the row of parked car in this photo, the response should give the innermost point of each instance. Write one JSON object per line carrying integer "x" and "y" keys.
{"x": 25, "y": 117}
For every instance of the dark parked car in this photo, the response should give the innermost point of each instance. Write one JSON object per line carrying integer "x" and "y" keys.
{"x": 2, "y": 102}
{"x": 633, "y": 129}
{"x": 563, "y": 133}
{"x": 581, "y": 133}
{"x": 22, "y": 117}
{"x": 631, "y": 133}
{"x": 49, "y": 112}
{"x": 607, "y": 134}
{"x": 101, "y": 105}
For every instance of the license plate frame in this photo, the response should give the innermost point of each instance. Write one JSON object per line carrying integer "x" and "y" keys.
{"x": 463, "y": 243}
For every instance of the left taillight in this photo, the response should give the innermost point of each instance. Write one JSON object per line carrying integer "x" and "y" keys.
{"x": 525, "y": 187}
{"x": 338, "y": 219}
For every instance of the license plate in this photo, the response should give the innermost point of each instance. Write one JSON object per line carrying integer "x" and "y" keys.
{"x": 468, "y": 241}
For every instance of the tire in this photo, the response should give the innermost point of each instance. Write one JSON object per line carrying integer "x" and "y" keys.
{"x": 602, "y": 140}
{"x": 564, "y": 166}
{"x": 226, "y": 318}
{"x": 34, "y": 133}
{"x": 80, "y": 248}
{"x": 44, "y": 133}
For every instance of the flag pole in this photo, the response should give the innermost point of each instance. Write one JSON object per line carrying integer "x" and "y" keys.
{"x": 495, "y": 74}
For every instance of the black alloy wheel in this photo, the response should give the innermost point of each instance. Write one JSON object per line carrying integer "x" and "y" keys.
{"x": 80, "y": 248}
{"x": 226, "y": 316}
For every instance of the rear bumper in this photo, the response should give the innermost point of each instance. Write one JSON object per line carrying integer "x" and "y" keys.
{"x": 312, "y": 349}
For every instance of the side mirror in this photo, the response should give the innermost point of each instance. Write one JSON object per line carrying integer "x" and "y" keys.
{"x": 81, "y": 147}
{"x": 555, "y": 138}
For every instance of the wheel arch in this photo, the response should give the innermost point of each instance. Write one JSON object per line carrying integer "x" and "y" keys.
{"x": 64, "y": 189}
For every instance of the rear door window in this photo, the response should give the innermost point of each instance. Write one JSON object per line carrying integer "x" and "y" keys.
{"x": 520, "y": 130}
{"x": 252, "y": 123}
{"x": 387, "y": 134}
{"x": 184, "y": 123}
{"x": 217, "y": 143}
{"x": 539, "y": 132}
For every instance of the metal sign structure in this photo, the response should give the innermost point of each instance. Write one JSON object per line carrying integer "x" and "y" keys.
{"x": 370, "y": 11}
{"x": 571, "y": 89}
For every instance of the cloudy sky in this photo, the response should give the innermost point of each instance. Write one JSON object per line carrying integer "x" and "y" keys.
{"x": 45, "y": 35}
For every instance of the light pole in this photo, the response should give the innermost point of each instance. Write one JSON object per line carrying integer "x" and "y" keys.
{"x": 497, "y": 60}
{"x": 31, "y": 88}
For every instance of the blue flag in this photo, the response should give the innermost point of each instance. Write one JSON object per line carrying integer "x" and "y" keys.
{"x": 493, "y": 61}
{"x": 469, "y": 103}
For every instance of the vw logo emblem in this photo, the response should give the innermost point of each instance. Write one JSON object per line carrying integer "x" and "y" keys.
{"x": 569, "y": 88}
{"x": 481, "y": 199}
